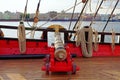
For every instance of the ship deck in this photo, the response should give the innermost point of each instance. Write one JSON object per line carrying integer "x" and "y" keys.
{"x": 96, "y": 68}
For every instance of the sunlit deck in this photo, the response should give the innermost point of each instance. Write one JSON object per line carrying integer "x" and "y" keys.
{"x": 98, "y": 68}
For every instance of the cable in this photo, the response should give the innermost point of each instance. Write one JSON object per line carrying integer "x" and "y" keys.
{"x": 72, "y": 14}
{"x": 80, "y": 15}
{"x": 96, "y": 13}
{"x": 110, "y": 15}
{"x": 55, "y": 17}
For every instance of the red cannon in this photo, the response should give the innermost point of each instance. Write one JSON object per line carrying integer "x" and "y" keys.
{"x": 60, "y": 59}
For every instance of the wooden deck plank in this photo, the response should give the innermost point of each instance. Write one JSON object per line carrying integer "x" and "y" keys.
{"x": 96, "y": 68}
{"x": 113, "y": 74}
{"x": 1, "y": 78}
{"x": 15, "y": 76}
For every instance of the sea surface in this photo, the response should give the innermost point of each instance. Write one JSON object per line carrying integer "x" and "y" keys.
{"x": 98, "y": 25}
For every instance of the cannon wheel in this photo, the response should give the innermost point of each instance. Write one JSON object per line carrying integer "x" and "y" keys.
{"x": 47, "y": 68}
{"x": 74, "y": 69}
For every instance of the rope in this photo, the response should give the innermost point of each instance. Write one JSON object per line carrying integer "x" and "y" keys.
{"x": 96, "y": 13}
{"x": 109, "y": 7}
{"x": 85, "y": 46}
{"x": 21, "y": 32}
{"x": 113, "y": 40}
{"x": 80, "y": 18}
{"x": 59, "y": 15}
{"x": 54, "y": 17}
{"x": 96, "y": 10}
{"x": 79, "y": 23}
{"x": 90, "y": 5}
{"x": 72, "y": 14}
{"x": 35, "y": 20}
{"x": 33, "y": 31}
{"x": 95, "y": 46}
{"x": 78, "y": 37}
{"x": 80, "y": 15}
{"x": 21, "y": 38}
{"x": 110, "y": 15}
{"x": 97, "y": 5}
{"x": 1, "y": 33}
{"x": 25, "y": 11}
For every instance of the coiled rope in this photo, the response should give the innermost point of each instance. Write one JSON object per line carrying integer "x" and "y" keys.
{"x": 21, "y": 38}
{"x": 96, "y": 39}
{"x": 86, "y": 47}
{"x": 113, "y": 40}
{"x": 21, "y": 32}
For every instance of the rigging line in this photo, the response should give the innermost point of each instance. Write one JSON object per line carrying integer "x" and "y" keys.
{"x": 37, "y": 13}
{"x": 106, "y": 10}
{"x": 97, "y": 5}
{"x": 59, "y": 15}
{"x": 72, "y": 14}
{"x": 110, "y": 15}
{"x": 82, "y": 18}
{"x": 90, "y": 6}
{"x": 109, "y": 6}
{"x": 96, "y": 13}
{"x": 28, "y": 23}
{"x": 25, "y": 11}
{"x": 80, "y": 22}
{"x": 55, "y": 17}
{"x": 35, "y": 20}
{"x": 80, "y": 15}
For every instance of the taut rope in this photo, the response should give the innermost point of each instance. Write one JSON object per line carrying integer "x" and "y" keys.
{"x": 35, "y": 20}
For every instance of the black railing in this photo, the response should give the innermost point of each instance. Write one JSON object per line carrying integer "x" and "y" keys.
{"x": 102, "y": 34}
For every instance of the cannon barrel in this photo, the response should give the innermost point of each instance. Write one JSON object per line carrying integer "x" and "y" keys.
{"x": 60, "y": 52}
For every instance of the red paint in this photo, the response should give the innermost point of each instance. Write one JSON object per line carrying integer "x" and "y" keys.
{"x": 60, "y": 66}
{"x": 11, "y": 47}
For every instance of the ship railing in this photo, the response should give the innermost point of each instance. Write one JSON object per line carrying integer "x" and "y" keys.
{"x": 102, "y": 35}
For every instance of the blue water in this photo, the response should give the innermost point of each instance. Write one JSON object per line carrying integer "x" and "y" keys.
{"x": 96, "y": 25}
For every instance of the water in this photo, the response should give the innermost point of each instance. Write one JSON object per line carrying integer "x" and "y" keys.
{"x": 96, "y": 25}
